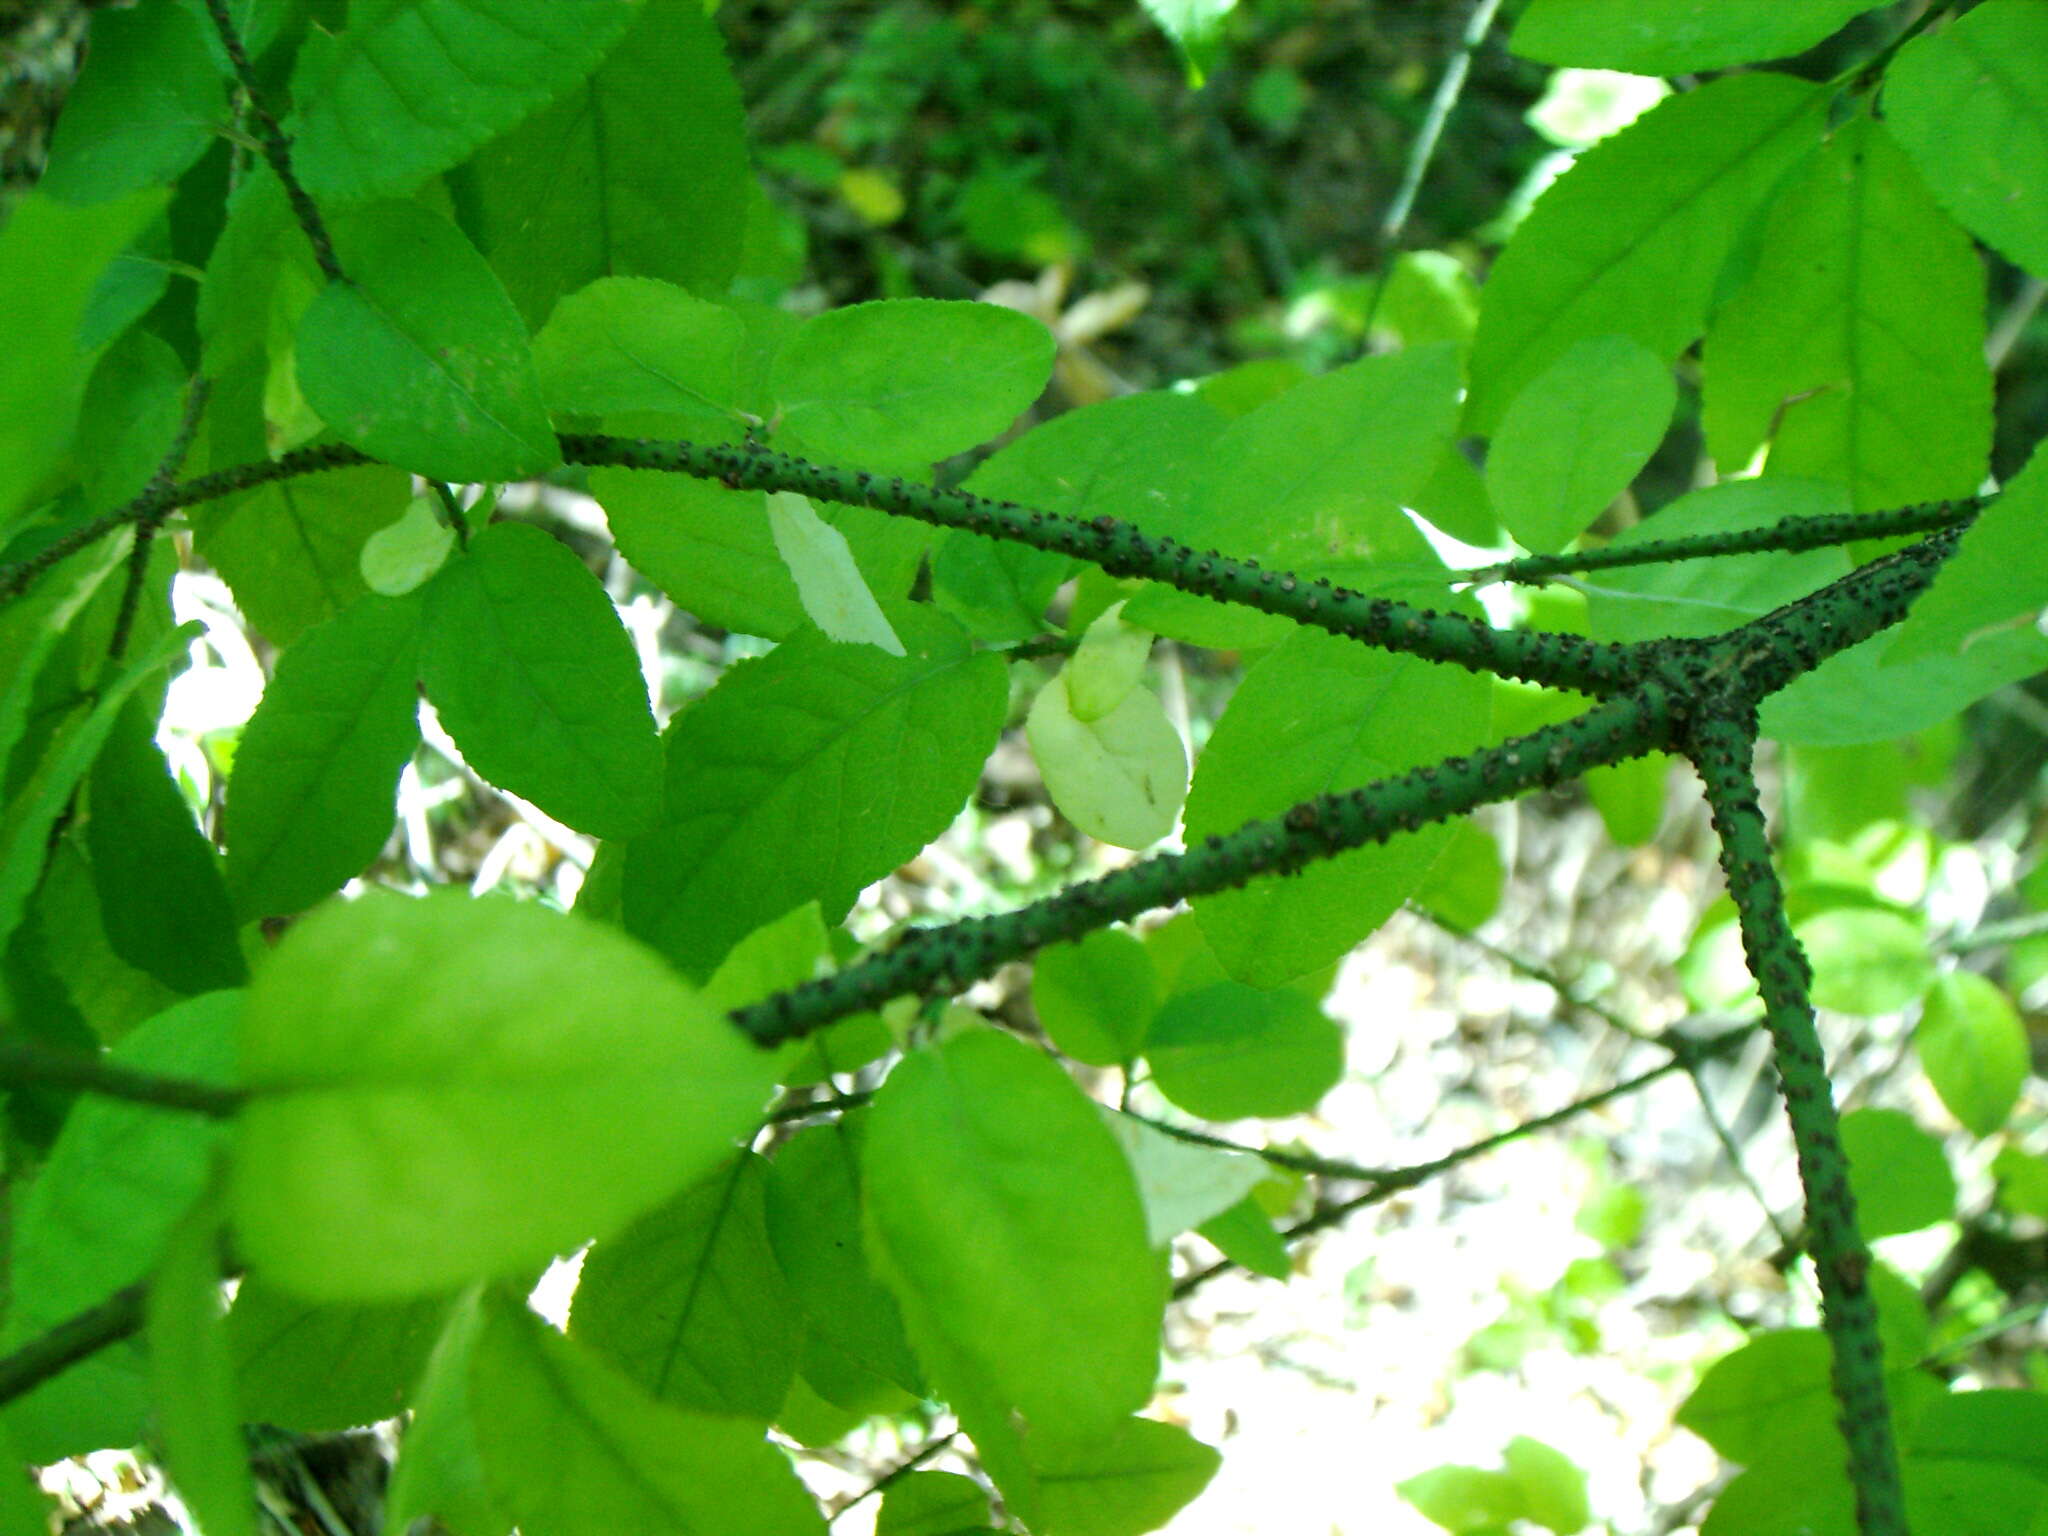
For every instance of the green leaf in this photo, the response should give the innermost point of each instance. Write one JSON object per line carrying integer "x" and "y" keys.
{"x": 97, "y": 1217}
{"x": 821, "y": 563}
{"x": 1676, "y": 37}
{"x": 1132, "y": 1480}
{"x": 1970, "y": 104}
{"x": 807, "y": 775}
{"x": 1319, "y": 716}
{"x": 1005, "y": 1217}
{"x": 448, "y": 1089}
{"x": 58, "y": 254}
{"x": 635, "y": 344}
{"x": 1231, "y": 1052}
{"x": 198, "y": 1420}
{"x": 1120, "y": 778}
{"x": 1182, "y": 1183}
{"x": 419, "y": 358}
{"x": 1974, "y": 1049}
{"x": 1575, "y": 437}
{"x": 1897, "y": 1172}
{"x": 260, "y": 275}
{"x": 1096, "y": 998}
{"x": 414, "y": 85}
{"x": 539, "y": 684}
{"x": 688, "y": 1301}
{"x": 1464, "y": 1498}
{"x": 440, "y": 1469}
{"x": 403, "y": 556}
{"x": 32, "y": 817}
{"x": 315, "y": 785}
{"x": 162, "y": 900}
{"x": 572, "y": 1447}
{"x": 1632, "y": 239}
{"x": 638, "y": 171}
{"x": 1856, "y": 347}
{"x": 814, "y": 1222}
{"x": 1131, "y": 457}
{"x": 1769, "y": 1401}
{"x": 934, "y": 1504}
{"x": 2003, "y": 1426}
{"x": 1245, "y": 1235}
{"x": 908, "y": 381}
{"x": 145, "y": 107}
{"x": 1553, "y": 1486}
{"x": 316, "y": 1368}
{"x": 1106, "y": 666}
{"x": 2022, "y": 1181}
{"x": 1991, "y": 588}
{"x": 1865, "y": 960}
{"x": 132, "y": 408}
{"x": 1316, "y": 476}
{"x": 707, "y": 547}
{"x": 293, "y": 550}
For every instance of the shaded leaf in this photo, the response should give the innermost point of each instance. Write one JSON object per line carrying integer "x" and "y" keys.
{"x": 315, "y": 786}
{"x": 1632, "y": 239}
{"x": 1096, "y": 998}
{"x": 1005, "y": 1218}
{"x": 198, "y": 1420}
{"x": 638, "y": 170}
{"x": 414, "y": 85}
{"x": 145, "y": 107}
{"x": 1970, "y": 104}
{"x": 539, "y": 684}
{"x": 1856, "y": 347}
{"x": 1229, "y": 1051}
{"x": 419, "y": 358}
{"x": 688, "y": 1301}
{"x": 806, "y": 775}
{"x": 1974, "y": 1049}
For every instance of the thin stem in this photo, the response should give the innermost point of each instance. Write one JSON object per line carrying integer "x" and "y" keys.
{"x": 952, "y": 956}
{"x": 902, "y": 1469}
{"x": 1391, "y": 1182}
{"x": 1788, "y": 534}
{"x": 31, "y": 1061}
{"x": 276, "y": 147}
{"x": 1722, "y": 744}
{"x": 78, "y": 1337}
{"x": 1423, "y": 150}
{"x": 146, "y": 528}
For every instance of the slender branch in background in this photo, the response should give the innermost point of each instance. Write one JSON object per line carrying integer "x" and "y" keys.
{"x": 1123, "y": 549}
{"x": 958, "y": 953}
{"x": 276, "y": 147}
{"x": 30, "y": 1061}
{"x": 1722, "y": 744}
{"x": 1789, "y": 534}
{"x": 1452, "y": 85}
{"x": 1423, "y": 150}
{"x": 1390, "y": 1182}
{"x": 74, "y": 1339}
{"x": 146, "y": 527}
{"x": 902, "y": 1469}
{"x": 1686, "y": 1052}
{"x": 1992, "y": 935}
{"x": 2013, "y": 321}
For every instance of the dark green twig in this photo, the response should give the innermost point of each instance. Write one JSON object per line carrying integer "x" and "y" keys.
{"x": 57, "y": 1349}
{"x": 1790, "y": 533}
{"x": 146, "y": 527}
{"x": 18, "y": 577}
{"x": 1721, "y": 743}
{"x": 1123, "y": 549}
{"x": 961, "y": 952}
{"x": 30, "y": 1061}
{"x": 276, "y": 147}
